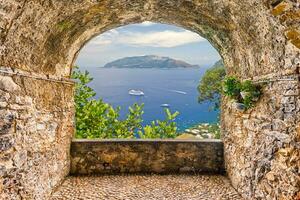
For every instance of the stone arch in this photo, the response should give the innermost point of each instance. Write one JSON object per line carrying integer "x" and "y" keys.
{"x": 257, "y": 40}
{"x": 52, "y": 37}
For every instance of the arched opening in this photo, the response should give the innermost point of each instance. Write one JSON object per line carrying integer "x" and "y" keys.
{"x": 157, "y": 67}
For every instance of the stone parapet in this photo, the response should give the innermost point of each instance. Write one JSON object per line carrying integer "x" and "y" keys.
{"x": 146, "y": 156}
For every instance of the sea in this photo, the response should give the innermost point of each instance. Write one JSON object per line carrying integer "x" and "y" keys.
{"x": 174, "y": 86}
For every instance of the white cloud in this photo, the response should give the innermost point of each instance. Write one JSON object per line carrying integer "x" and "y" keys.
{"x": 106, "y": 38}
{"x": 161, "y": 39}
{"x": 166, "y": 39}
{"x": 146, "y": 23}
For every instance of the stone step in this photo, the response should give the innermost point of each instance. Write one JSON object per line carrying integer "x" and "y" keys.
{"x": 146, "y": 156}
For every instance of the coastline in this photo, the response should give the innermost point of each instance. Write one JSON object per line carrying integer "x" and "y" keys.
{"x": 201, "y": 131}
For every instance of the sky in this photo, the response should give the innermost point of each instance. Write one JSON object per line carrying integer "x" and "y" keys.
{"x": 147, "y": 38}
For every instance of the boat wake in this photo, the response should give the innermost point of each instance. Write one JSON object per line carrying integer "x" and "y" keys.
{"x": 178, "y": 91}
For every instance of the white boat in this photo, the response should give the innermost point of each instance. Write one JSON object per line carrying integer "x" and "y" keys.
{"x": 165, "y": 105}
{"x": 136, "y": 93}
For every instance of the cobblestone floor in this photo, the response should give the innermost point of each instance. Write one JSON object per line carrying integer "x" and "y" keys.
{"x": 147, "y": 187}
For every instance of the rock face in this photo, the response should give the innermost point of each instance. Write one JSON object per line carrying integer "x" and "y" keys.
{"x": 148, "y": 62}
{"x": 257, "y": 40}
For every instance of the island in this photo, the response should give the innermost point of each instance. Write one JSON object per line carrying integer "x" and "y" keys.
{"x": 149, "y": 61}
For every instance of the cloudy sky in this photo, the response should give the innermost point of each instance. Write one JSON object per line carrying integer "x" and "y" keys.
{"x": 147, "y": 39}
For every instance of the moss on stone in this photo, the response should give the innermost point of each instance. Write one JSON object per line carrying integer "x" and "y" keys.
{"x": 94, "y": 11}
{"x": 64, "y": 25}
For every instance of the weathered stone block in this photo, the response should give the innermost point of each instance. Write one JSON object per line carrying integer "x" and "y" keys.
{"x": 7, "y": 84}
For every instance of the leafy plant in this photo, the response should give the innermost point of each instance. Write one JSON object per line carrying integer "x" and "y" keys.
{"x": 232, "y": 87}
{"x": 97, "y": 119}
{"x": 161, "y": 129}
{"x": 210, "y": 86}
{"x": 245, "y": 92}
{"x": 250, "y": 93}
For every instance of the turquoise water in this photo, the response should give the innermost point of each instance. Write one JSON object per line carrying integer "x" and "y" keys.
{"x": 161, "y": 86}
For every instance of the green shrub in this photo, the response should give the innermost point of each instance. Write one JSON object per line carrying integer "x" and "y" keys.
{"x": 96, "y": 119}
{"x": 245, "y": 92}
{"x": 232, "y": 87}
{"x": 161, "y": 129}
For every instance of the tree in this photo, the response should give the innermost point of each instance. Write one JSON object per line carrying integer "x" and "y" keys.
{"x": 210, "y": 86}
{"x": 97, "y": 119}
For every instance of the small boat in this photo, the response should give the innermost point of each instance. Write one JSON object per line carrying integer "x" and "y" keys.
{"x": 136, "y": 93}
{"x": 165, "y": 105}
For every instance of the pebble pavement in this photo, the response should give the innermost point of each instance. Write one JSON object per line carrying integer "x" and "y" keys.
{"x": 146, "y": 187}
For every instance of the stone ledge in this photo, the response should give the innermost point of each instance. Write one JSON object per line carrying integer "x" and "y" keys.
{"x": 145, "y": 141}
{"x": 146, "y": 156}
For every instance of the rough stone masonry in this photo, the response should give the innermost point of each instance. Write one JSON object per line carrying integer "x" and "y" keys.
{"x": 39, "y": 40}
{"x": 98, "y": 157}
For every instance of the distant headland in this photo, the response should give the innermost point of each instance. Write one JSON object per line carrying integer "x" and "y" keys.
{"x": 149, "y": 61}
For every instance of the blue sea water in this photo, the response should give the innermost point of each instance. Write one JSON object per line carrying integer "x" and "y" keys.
{"x": 160, "y": 86}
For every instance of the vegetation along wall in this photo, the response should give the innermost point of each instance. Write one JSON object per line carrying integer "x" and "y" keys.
{"x": 257, "y": 39}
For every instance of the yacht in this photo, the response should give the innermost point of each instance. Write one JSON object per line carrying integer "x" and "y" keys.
{"x": 136, "y": 93}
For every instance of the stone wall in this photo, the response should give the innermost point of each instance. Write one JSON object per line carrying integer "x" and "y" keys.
{"x": 262, "y": 144}
{"x": 36, "y": 127}
{"x": 146, "y": 156}
{"x": 257, "y": 39}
